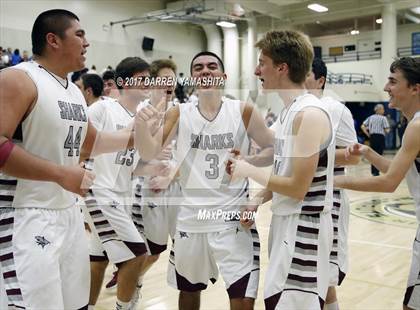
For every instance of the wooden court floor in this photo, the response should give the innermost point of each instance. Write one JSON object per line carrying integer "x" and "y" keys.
{"x": 380, "y": 254}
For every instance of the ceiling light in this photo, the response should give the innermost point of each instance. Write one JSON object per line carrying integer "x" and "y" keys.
{"x": 412, "y": 18}
{"x": 379, "y": 20}
{"x": 226, "y": 24}
{"x": 317, "y": 8}
{"x": 354, "y": 32}
{"x": 416, "y": 10}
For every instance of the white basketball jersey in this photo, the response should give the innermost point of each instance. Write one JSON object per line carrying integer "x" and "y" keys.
{"x": 319, "y": 196}
{"x": 413, "y": 179}
{"x": 342, "y": 120}
{"x": 203, "y": 146}
{"x": 54, "y": 130}
{"x": 113, "y": 170}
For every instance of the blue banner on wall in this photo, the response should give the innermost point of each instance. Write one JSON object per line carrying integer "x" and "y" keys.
{"x": 415, "y": 43}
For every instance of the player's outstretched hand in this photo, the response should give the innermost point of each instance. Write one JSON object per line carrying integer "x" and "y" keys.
{"x": 238, "y": 168}
{"x": 356, "y": 149}
{"x": 76, "y": 179}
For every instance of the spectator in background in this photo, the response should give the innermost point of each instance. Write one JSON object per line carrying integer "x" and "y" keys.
{"x": 9, "y": 55}
{"x": 2, "y": 59}
{"x": 390, "y": 137}
{"x": 25, "y": 56}
{"x": 376, "y": 127}
{"x": 91, "y": 86}
{"x": 16, "y": 58}
{"x": 93, "y": 70}
{"x": 110, "y": 87}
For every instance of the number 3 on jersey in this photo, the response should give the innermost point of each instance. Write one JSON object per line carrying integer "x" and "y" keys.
{"x": 73, "y": 144}
{"x": 214, "y": 166}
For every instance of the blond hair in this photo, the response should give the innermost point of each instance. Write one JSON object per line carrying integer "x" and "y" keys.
{"x": 290, "y": 47}
{"x": 159, "y": 64}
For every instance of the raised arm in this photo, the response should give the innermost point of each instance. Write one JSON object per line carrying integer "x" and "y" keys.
{"x": 150, "y": 144}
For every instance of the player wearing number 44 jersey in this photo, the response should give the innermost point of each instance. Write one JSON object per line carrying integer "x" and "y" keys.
{"x": 43, "y": 248}
{"x": 207, "y": 131}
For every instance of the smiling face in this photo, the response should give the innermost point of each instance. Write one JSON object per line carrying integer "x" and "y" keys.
{"x": 207, "y": 66}
{"x": 267, "y": 72}
{"x": 400, "y": 93}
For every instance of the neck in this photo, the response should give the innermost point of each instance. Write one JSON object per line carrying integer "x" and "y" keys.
{"x": 91, "y": 101}
{"x": 209, "y": 100}
{"x": 128, "y": 102}
{"x": 289, "y": 91}
{"x": 412, "y": 109}
{"x": 52, "y": 66}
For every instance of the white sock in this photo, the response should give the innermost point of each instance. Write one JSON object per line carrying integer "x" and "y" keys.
{"x": 91, "y": 307}
{"x": 333, "y": 306}
{"x": 120, "y": 305}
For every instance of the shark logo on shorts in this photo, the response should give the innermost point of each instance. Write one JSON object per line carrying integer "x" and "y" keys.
{"x": 151, "y": 205}
{"x": 183, "y": 234}
{"x": 41, "y": 241}
{"x": 114, "y": 204}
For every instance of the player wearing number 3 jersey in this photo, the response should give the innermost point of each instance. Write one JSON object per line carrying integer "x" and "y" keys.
{"x": 207, "y": 131}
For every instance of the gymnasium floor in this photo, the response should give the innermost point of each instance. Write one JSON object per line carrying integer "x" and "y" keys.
{"x": 382, "y": 229}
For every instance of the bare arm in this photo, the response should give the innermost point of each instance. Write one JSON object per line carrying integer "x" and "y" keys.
{"x": 99, "y": 142}
{"x": 17, "y": 95}
{"x": 398, "y": 167}
{"x": 261, "y": 134}
{"x": 341, "y": 159}
{"x": 310, "y": 131}
{"x": 365, "y": 130}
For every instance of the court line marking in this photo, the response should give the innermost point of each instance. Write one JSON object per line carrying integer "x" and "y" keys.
{"x": 380, "y": 244}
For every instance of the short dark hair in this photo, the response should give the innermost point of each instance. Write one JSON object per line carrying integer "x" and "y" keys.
{"x": 207, "y": 53}
{"x": 56, "y": 21}
{"x": 410, "y": 68}
{"x": 108, "y": 75}
{"x": 128, "y": 67}
{"x": 159, "y": 64}
{"x": 319, "y": 69}
{"x": 93, "y": 81}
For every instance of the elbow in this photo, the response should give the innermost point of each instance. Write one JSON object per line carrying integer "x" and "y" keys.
{"x": 390, "y": 187}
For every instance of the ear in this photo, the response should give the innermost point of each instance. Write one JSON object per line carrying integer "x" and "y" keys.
{"x": 283, "y": 68}
{"x": 53, "y": 40}
{"x": 416, "y": 89}
{"x": 321, "y": 81}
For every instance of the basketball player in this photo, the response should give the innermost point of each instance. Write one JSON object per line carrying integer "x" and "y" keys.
{"x": 207, "y": 131}
{"x": 91, "y": 86}
{"x": 116, "y": 238}
{"x": 343, "y": 124}
{"x": 44, "y": 255}
{"x": 403, "y": 88}
{"x": 110, "y": 87}
{"x": 300, "y": 187}
{"x": 158, "y": 211}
